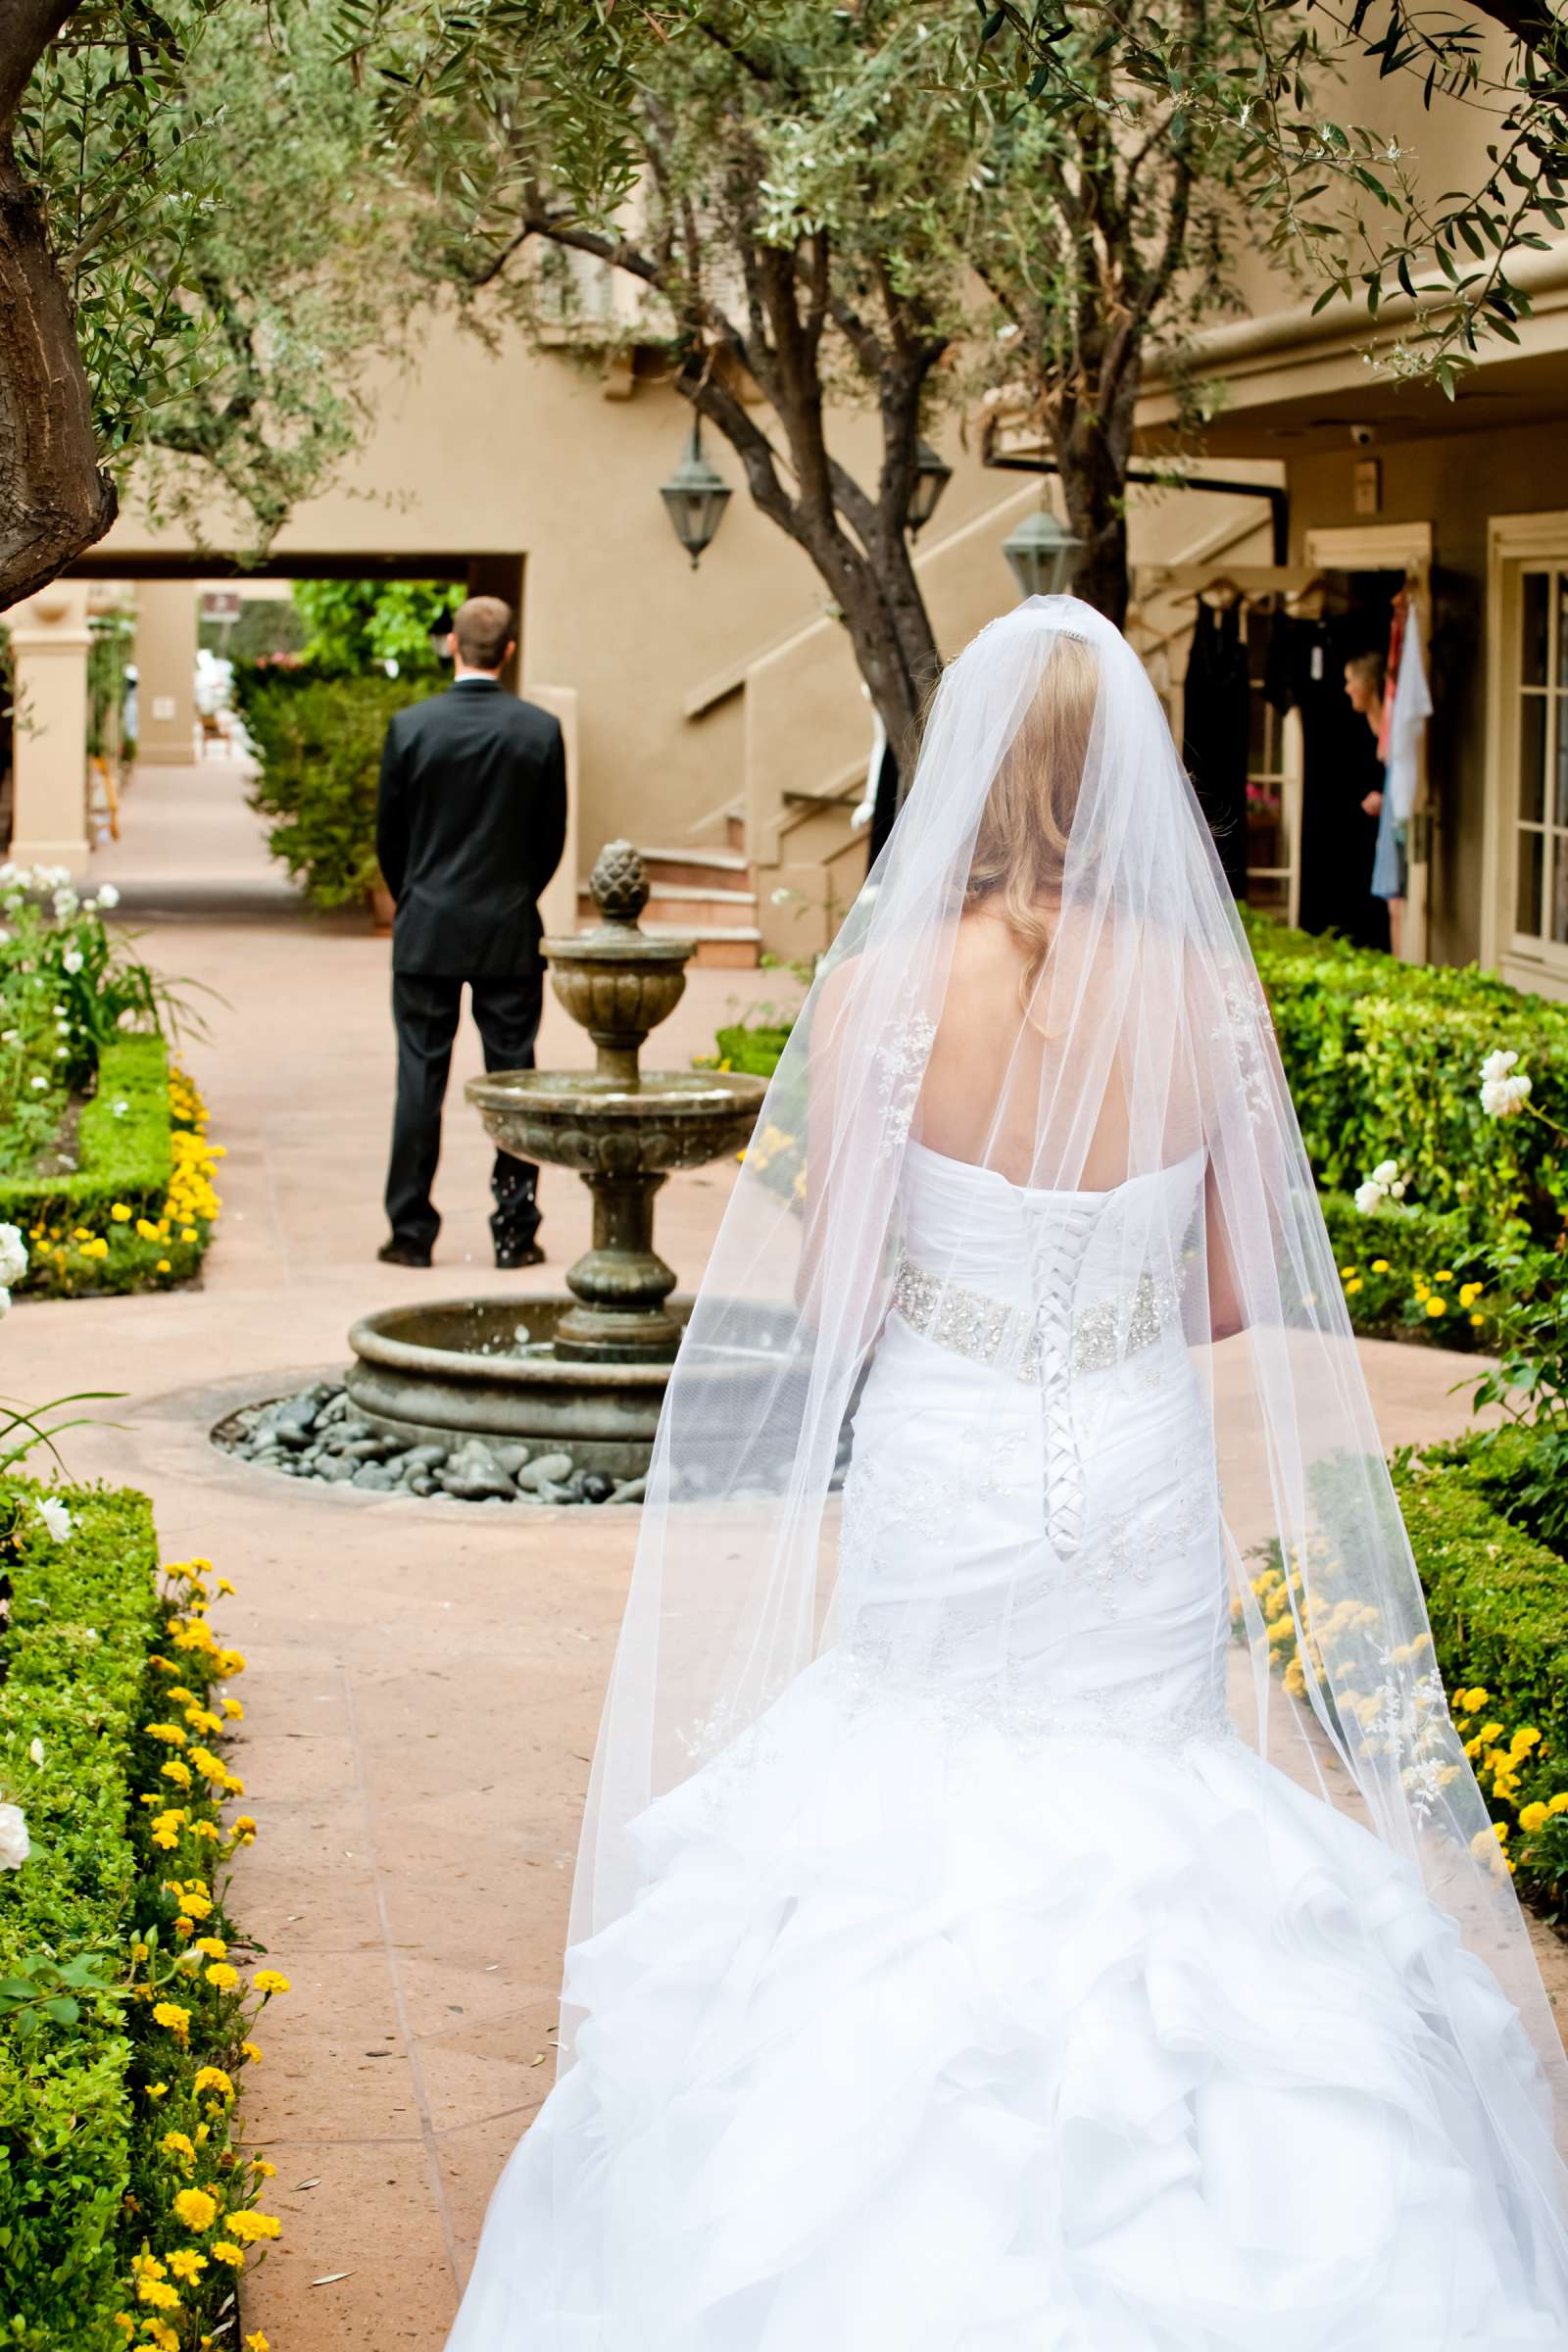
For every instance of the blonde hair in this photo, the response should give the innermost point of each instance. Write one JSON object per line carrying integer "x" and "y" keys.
{"x": 1020, "y": 850}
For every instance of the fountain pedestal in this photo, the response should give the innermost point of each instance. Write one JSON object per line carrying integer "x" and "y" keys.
{"x": 595, "y": 1362}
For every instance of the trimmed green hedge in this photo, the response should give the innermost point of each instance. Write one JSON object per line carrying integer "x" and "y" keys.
{"x": 1383, "y": 1061}
{"x": 110, "y": 2119}
{"x": 754, "y": 1052}
{"x": 1498, "y": 1605}
{"x": 139, "y": 1213}
{"x": 126, "y": 1155}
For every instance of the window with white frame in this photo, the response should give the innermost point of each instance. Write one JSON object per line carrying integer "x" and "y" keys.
{"x": 1539, "y": 899}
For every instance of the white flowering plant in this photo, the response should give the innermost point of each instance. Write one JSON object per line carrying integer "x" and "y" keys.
{"x": 68, "y": 985}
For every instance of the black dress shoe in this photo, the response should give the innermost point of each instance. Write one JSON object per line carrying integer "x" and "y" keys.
{"x": 402, "y": 1254}
{"x": 520, "y": 1253}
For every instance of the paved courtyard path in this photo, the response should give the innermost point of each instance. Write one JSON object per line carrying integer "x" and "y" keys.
{"x": 425, "y": 1680}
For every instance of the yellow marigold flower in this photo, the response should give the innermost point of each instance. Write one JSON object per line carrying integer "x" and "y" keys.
{"x": 221, "y": 1976}
{"x": 226, "y": 2251}
{"x": 146, "y": 2266}
{"x": 156, "y": 2091}
{"x": 1501, "y": 1832}
{"x": 168, "y": 1733}
{"x": 194, "y": 1903}
{"x": 123, "y": 2319}
{"x": 1353, "y": 1286}
{"x": 175, "y": 2143}
{"x": 172, "y": 2015}
{"x": 263, "y": 2170}
{"x": 202, "y": 1719}
{"x": 267, "y": 1981}
{"x": 249, "y": 2226}
{"x": 211, "y": 1767}
{"x": 160, "y": 2336}
{"x": 1524, "y": 1740}
{"x": 1473, "y": 1700}
{"x": 1489, "y": 1732}
{"x": 251, "y": 2052}
{"x": 164, "y": 1266}
{"x": 256, "y": 2343}
{"x": 1436, "y": 1306}
{"x": 230, "y": 1662}
{"x": 1559, "y": 1803}
{"x": 234, "y": 1709}
{"x": 176, "y": 1772}
{"x": 208, "y": 1830}
{"x": 1533, "y": 1817}
{"x": 1477, "y": 1321}
{"x": 158, "y": 2293}
{"x": 213, "y": 2077}
{"x": 187, "y": 1233}
{"x": 187, "y": 2264}
{"x": 1380, "y": 1265}
{"x": 212, "y": 1946}
{"x": 195, "y": 2208}
{"x": 121, "y": 1213}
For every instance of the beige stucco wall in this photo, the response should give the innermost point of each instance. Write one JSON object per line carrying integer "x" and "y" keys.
{"x": 512, "y": 452}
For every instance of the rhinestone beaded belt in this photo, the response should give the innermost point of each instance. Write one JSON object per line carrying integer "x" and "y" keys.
{"x": 971, "y": 1324}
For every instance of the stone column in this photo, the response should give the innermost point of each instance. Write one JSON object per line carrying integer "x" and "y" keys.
{"x": 165, "y": 672}
{"x": 49, "y": 639}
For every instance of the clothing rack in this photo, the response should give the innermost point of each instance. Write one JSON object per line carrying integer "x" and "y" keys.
{"x": 1251, "y": 579}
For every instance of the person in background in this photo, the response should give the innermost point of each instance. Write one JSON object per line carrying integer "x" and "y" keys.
{"x": 1366, "y": 677}
{"x": 471, "y": 824}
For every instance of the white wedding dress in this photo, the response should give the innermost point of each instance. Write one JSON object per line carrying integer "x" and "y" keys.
{"x": 1006, "y": 2001}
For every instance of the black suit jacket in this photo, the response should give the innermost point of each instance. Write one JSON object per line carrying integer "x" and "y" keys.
{"x": 471, "y": 824}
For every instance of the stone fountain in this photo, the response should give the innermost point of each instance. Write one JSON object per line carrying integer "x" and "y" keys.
{"x": 587, "y": 1371}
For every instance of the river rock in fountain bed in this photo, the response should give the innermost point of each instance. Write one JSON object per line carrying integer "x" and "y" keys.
{"x": 317, "y": 1435}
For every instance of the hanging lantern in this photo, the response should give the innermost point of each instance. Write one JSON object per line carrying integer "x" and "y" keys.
{"x": 932, "y": 474}
{"x": 696, "y": 496}
{"x": 1043, "y": 554}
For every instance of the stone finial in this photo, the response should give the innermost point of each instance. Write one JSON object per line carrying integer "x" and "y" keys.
{"x": 618, "y": 883}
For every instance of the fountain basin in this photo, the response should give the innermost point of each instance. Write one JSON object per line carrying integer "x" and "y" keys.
{"x": 459, "y": 1368}
{"x": 599, "y": 1125}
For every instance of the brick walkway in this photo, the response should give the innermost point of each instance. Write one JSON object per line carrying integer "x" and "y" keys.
{"x": 425, "y": 1681}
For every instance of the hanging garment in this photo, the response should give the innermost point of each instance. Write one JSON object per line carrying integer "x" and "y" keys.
{"x": 1216, "y": 727}
{"x": 1412, "y": 708}
{"x": 1305, "y": 672}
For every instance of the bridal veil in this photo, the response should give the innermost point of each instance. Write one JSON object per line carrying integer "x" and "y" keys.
{"x": 1132, "y": 1040}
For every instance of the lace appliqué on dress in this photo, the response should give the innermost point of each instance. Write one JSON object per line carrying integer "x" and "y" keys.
{"x": 901, "y": 1060}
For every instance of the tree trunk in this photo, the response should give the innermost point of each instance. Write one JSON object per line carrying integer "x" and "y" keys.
{"x": 55, "y": 502}
{"x": 1094, "y": 450}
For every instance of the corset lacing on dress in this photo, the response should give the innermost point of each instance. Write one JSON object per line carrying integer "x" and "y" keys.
{"x": 1048, "y": 1342}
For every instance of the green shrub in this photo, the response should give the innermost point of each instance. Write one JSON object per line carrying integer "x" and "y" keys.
{"x": 138, "y": 1211}
{"x": 754, "y": 1052}
{"x": 100, "y": 2098}
{"x": 1383, "y": 1061}
{"x": 319, "y": 741}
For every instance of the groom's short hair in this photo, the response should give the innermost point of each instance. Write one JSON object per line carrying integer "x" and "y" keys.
{"x": 483, "y": 627}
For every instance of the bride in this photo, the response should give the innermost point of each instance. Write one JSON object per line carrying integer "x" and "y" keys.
{"x": 973, "y": 1948}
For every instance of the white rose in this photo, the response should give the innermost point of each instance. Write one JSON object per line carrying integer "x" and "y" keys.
{"x": 14, "y": 1843}
{"x": 1502, "y": 1098}
{"x": 35, "y": 1750}
{"x": 1385, "y": 1171}
{"x": 8, "y": 875}
{"x": 1497, "y": 1066}
{"x": 71, "y": 960}
{"x": 55, "y": 1516}
{"x": 13, "y": 1255}
{"x": 38, "y": 1083}
{"x": 1369, "y": 1196}
{"x": 108, "y": 895}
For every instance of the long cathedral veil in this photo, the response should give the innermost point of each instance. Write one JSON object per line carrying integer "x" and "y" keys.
{"x": 1137, "y": 1043}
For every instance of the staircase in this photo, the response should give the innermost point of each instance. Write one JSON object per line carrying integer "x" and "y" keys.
{"x": 708, "y": 895}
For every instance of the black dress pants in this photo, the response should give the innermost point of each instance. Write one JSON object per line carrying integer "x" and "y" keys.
{"x": 425, "y": 1007}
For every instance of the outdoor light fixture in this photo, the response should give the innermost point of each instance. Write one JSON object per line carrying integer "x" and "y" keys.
{"x": 1041, "y": 555}
{"x": 932, "y": 474}
{"x": 696, "y": 496}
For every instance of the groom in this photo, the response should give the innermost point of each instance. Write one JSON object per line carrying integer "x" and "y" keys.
{"x": 471, "y": 824}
